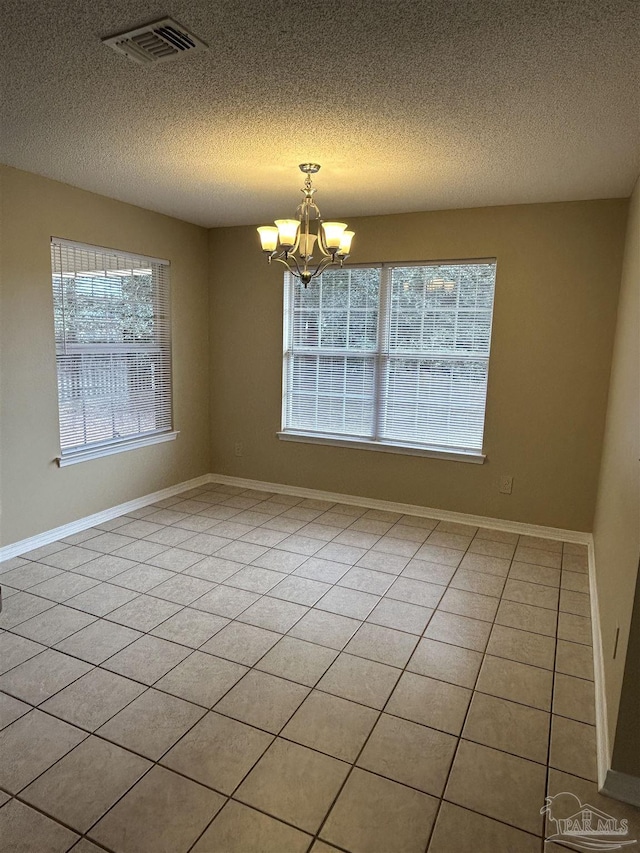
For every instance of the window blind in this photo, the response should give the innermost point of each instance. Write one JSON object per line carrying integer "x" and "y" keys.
{"x": 113, "y": 345}
{"x": 395, "y": 354}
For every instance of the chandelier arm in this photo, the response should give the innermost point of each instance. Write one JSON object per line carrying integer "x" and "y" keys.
{"x": 286, "y": 262}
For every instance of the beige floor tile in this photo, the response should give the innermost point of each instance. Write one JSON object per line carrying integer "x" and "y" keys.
{"x": 208, "y": 544}
{"x": 574, "y": 581}
{"x": 93, "y": 699}
{"x": 299, "y": 590}
{"x": 201, "y": 678}
{"x": 331, "y": 724}
{"x": 537, "y": 557}
{"x": 486, "y": 565}
{"x": 4, "y": 798}
{"x": 106, "y": 543}
{"x": 574, "y": 659}
{"x": 29, "y": 575}
{"x": 459, "y": 631}
{"x": 573, "y": 748}
{"x": 341, "y": 553}
{"x": 575, "y": 562}
{"x": 400, "y": 615}
{"x": 360, "y": 680}
{"x": 498, "y": 785}
{"x": 67, "y": 559}
{"x": 11, "y": 709}
{"x": 141, "y": 577}
{"x": 263, "y": 700}
{"x": 298, "y": 661}
{"x": 190, "y": 627}
{"x": 400, "y": 547}
{"x": 15, "y": 650}
{"x": 141, "y": 822}
{"x": 376, "y": 815}
{"x": 326, "y": 629}
{"x": 294, "y": 783}
{"x": 240, "y": 829}
{"x": 523, "y": 646}
{"x": 213, "y": 569}
{"x": 478, "y": 582}
{"x": 21, "y": 607}
{"x": 102, "y": 599}
{"x": 535, "y": 574}
{"x": 446, "y": 662}
{"x": 318, "y": 569}
{"x": 430, "y": 702}
{"x": 535, "y": 594}
{"x": 273, "y": 614}
{"x": 537, "y": 620}
{"x": 348, "y": 602}
{"x": 367, "y": 580}
{"x": 574, "y": 698}
{"x": 281, "y": 561}
{"x": 540, "y": 542}
{"x": 575, "y": 629}
{"x": 463, "y": 603}
{"x": 491, "y": 548}
{"x": 518, "y": 682}
{"x": 384, "y": 645}
{"x": 241, "y": 643}
{"x": 438, "y": 554}
{"x": 255, "y": 579}
{"x": 377, "y": 561}
{"x": 98, "y": 641}
{"x": 497, "y": 535}
{"x": 32, "y": 744}
{"x": 40, "y": 677}
{"x": 152, "y": 723}
{"x": 84, "y": 846}
{"x": 24, "y": 830}
{"x": 463, "y": 831}
{"x": 181, "y": 589}
{"x": 415, "y": 592}
{"x": 218, "y": 752}
{"x": 457, "y": 541}
{"x": 468, "y": 530}
{"x": 174, "y": 536}
{"x": 420, "y": 570}
{"x": 321, "y": 847}
{"x": 105, "y": 567}
{"x": 508, "y": 726}
{"x": 84, "y": 784}
{"x": 147, "y": 659}
{"x": 144, "y": 613}
{"x": 575, "y": 602}
{"x": 226, "y": 601}
{"x": 174, "y": 559}
{"x": 409, "y": 753}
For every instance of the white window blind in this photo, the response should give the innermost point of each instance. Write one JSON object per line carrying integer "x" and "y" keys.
{"x": 113, "y": 346}
{"x": 396, "y": 354}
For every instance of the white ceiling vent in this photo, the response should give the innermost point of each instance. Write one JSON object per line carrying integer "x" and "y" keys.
{"x": 159, "y": 41}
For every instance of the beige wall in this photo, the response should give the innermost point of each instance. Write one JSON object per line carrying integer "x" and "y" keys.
{"x": 557, "y": 285}
{"x": 616, "y": 530}
{"x": 35, "y": 494}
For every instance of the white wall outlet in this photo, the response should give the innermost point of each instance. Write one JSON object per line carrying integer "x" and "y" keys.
{"x": 238, "y": 449}
{"x": 506, "y": 484}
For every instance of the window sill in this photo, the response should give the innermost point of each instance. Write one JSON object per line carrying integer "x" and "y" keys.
{"x": 473, "y": 456}
{"x": 85, "y": 454}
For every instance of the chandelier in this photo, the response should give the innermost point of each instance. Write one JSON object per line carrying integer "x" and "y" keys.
{"x": 292, "y": 243}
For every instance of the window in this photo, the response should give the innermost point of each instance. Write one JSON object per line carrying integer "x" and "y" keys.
{"x": 113, "y": 350}
{"x": 393, "y": 357}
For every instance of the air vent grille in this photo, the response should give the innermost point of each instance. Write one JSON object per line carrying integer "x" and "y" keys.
{"x": 159, "y": 41}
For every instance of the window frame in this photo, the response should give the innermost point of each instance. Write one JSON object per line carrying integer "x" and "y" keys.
{"x": 161, "y": 300}
{"x": 381, "y": 358}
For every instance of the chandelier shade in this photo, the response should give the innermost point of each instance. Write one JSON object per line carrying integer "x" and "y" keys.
{"x": 296, "y": 242}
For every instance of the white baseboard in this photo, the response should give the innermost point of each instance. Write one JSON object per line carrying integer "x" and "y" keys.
{"x": 623, "y": 787}
{"x": 410, "y": 509}
{"x": 24, "y": 545}
{"x": 603, "y": 752}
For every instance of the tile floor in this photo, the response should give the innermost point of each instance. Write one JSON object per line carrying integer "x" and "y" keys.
{"x": 232, "y": 671}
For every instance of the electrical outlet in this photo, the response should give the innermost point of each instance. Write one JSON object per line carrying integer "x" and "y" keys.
{"x": 238, "y": 448}
{"x": 506, "y": 484}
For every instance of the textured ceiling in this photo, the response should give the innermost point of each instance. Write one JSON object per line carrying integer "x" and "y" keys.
{"x": 407, "y": 104}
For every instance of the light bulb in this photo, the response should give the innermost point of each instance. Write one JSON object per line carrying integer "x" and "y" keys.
{"x": 287, "y": 232}
{"x": 268, "y": 238}
{"x": 333, "y": 234}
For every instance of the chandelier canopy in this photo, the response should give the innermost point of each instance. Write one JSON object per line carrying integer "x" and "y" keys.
{"x": 292, "y": 242}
